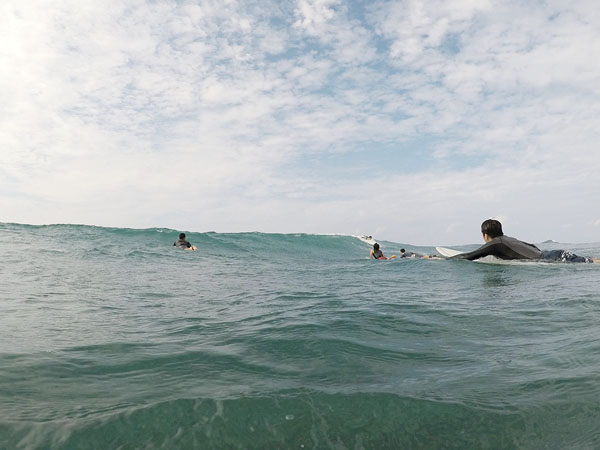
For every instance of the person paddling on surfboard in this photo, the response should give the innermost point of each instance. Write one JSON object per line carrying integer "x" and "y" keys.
{"x": 376, "y": 253}
{"x": 505, "y": 247}
{"x": 182, "y": 243}
{"x": 404, "y": 254}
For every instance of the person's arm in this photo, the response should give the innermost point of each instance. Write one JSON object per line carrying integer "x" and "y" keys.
{"x": 371, "y": 254}
{"x": 485, "y": 250}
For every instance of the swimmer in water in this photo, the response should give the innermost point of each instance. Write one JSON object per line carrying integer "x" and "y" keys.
{"x": 376, "y": 253}
{"x": 182, "y": 243}
{"x": 405, "y": 254}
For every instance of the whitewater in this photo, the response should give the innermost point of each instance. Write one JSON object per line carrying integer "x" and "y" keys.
{"x": 112, "y": 338}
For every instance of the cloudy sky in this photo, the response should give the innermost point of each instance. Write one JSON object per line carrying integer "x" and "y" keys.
{"x": 409, "y": 120}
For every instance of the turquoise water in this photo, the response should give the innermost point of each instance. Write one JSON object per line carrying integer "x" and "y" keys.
{"x": 113, "y": 339}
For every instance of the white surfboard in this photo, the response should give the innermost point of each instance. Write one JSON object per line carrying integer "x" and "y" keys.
{"x": 367, "y": 239}
{"x": 448, "y": 252}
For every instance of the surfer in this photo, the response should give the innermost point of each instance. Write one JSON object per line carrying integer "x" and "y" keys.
{"x": 505, "y": 247}
{"x": 376, "y": 253}
{"x": 182, "y": 243}
{"x": 403, "y": 254}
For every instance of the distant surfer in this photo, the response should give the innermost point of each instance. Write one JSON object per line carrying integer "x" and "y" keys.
{"x": 505, "y": 247}
{"x": 377, "y": 253}
{"x": 404, "y": 254}
{"x": 182, "y": 243}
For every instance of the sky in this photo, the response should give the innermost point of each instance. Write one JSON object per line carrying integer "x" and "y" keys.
{"x": 412, "y": 121}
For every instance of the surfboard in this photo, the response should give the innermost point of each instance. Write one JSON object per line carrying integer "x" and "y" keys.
{"x": 367, "y": 239}
{"x": 448, "y": 252}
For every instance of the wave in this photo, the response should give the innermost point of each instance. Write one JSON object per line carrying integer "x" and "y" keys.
{"x": 89, "y": 238}
{"x": 147, "y": 242}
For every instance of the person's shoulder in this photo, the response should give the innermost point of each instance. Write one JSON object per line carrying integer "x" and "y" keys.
{"x": 505, "y": 239}
{"x": 508, "y": 239}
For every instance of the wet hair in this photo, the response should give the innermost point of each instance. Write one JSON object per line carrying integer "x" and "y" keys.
{"x": 402, "y": 250}
{"x": 376, "y": 246}
{"x": 492, "y": 228}
{"x": 181, "y": 235}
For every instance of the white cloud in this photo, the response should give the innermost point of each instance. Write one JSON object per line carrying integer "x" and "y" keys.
{"x": 415, "y": 26}
{"x": 313, "y": 13}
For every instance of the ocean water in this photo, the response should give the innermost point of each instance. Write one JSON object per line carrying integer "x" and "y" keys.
{"x": 114, "y": 339}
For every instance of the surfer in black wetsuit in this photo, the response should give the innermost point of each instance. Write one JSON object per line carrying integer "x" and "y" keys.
{"x": 376, "y": 253}
{"x": 182, "y": 243}
{"x": 504, "y": 247}
{"x": 404, "y": 254}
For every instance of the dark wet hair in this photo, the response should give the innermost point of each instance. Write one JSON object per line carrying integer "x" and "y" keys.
{"x": 376, "y": 246}
{"x": 181, "y": 235}
{"x": 492, "y": 228}
{"x": 402, "y": 250}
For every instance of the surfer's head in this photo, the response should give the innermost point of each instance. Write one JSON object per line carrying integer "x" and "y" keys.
{"x": 375, "y": 246}
{"x": 181, "y": 235}
{"x": 492, "y": 228}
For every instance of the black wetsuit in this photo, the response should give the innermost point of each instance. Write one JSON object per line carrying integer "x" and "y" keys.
{"x": 564, "y": 256}
{"x": 410, "y": 255}
{"x": 506, "y": 247}
{"x": 377, "y": 254}
{"x": 182, "y": 243}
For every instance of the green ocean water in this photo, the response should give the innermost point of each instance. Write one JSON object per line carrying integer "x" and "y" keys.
{"x": 114, "y": 339}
